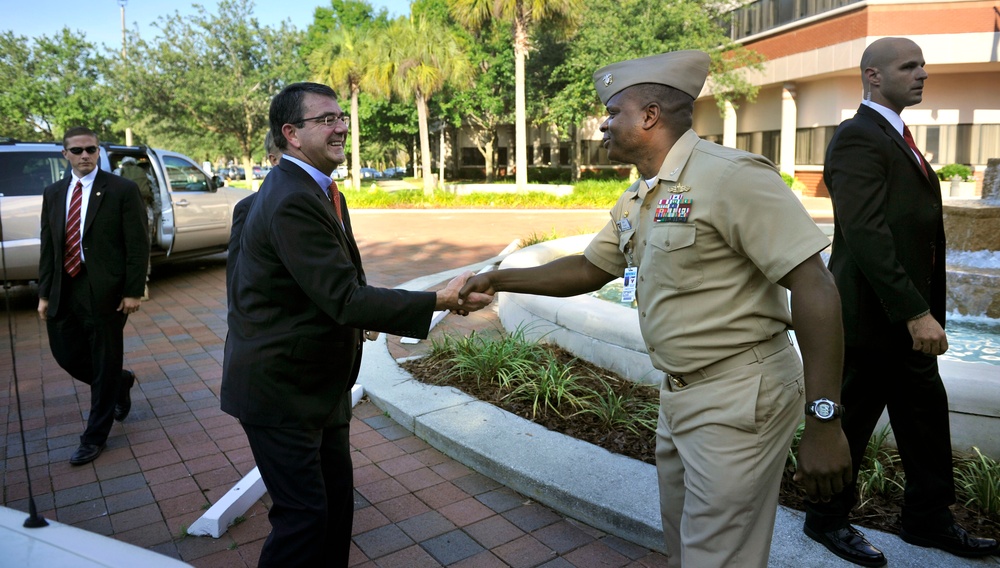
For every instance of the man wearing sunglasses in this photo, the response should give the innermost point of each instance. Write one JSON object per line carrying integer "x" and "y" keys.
{"x": 91, "y": 273}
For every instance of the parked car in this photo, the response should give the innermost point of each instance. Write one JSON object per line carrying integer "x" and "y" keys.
{"x": 236, "y": 172}
{"x": 259, "y": 172}
{"x": 195, "y": 217}
{"x": 395, "y": 173}
{"x": 370, "y": 173}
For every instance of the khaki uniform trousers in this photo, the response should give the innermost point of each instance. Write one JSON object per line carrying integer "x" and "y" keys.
{"x": 721, "y": 446}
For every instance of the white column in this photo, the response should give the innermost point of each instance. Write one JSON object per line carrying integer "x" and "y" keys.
{"x": 729, "y": 126}
{"x": 789, "y": 122}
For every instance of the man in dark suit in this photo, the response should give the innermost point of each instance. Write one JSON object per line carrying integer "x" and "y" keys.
{"x": 298, "y": 304}
{"x": 91, "y": 274}
{"x": 240, "y": 213}
{"x": 888, "y": 260}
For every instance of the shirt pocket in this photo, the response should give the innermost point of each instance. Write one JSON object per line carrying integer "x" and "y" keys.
{"x": 673, "y": 259}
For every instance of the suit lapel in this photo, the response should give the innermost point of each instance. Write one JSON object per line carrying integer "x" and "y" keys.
{"x": 897, "y": 138}
{"x": 97, "y": 193}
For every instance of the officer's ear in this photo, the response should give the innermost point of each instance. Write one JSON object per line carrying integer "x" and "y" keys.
{"x": 652, "y": 115}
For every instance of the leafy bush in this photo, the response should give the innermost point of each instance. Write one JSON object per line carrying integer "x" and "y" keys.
{"x": 792, "y": 181}
{"x": 946, "y": 173}
{"x": 977, "y": 482}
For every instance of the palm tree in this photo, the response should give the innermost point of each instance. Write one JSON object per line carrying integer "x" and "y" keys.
{"x": 345, "y": 62}
{"x": 425, "y": 57}
{"x": 522, "y": 14}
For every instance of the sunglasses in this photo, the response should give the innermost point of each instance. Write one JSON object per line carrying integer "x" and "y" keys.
{"x": 76, "y": 150}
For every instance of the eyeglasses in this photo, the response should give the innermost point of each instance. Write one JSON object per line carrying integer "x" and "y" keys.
{"x": 76, "y": 150}
{"x": 328, "y": 119}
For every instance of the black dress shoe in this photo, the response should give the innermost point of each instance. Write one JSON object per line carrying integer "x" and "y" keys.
{"x": 953, "y": 539}
{"x": 124, "y": 404}
{"x": 849, "y": 544}
{"x": 86, "y": 453}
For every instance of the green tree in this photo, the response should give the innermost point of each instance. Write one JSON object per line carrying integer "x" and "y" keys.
{"x": 424, "y": 58}
{"x": 345, "y": 62}
{"x": 489, "y": 103}
{"x": 52, "y": 85}
{"x": 607, "y": 33}
{"x": 523, "y": 15}
{"x": 207, "y": 81}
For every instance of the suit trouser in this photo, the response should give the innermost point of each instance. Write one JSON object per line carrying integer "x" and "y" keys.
{"x": 88, "y": 343}
{"x": 310, "y": 478}
{"x": 906, "y": 382}
{"x": 721, "y": 447}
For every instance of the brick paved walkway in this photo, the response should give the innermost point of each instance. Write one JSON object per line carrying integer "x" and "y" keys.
{"x": 177, "y": 452}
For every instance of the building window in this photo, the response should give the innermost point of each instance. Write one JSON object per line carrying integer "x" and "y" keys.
{"x": 546, "y": 155}
{"x": 531, "y": 155}
{"x": 564, "y": 155}
{"x": 472, "y": 157}
{"x": 811, "y": 143}
{"x": 594, "y": 154}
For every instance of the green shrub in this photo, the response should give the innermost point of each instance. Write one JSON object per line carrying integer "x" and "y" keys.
{"x": 792, "y": 182}
{"x": 946, "y": 173}
{"x": 977, "y": 482}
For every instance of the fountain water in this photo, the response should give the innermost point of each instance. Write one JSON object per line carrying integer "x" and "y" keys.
{"x": 972, "y": 227}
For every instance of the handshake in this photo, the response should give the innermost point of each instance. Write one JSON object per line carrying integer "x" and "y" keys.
{"x": 459, "y": 296}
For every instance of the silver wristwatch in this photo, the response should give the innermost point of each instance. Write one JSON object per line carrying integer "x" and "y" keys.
{"x": 824, "y": 409}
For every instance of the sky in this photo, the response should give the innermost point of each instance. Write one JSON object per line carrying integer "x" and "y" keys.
{"x": 101, "y": 20}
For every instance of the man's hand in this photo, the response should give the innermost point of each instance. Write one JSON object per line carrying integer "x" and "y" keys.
{"x": 479, "y": 283}
{"x": 129, "y": 305}
{"x": 43, "y": 308}
{"x": 449, "y": 298}
{"x": 824, "y": 460}
{"x": 370, "y": 335}
{"x": 928, "y": 335}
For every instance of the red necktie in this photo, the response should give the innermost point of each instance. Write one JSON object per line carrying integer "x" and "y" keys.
{"x": 335, "y": 198}
{"x": 71, "y": 248}
{"x": 913, "y": 146}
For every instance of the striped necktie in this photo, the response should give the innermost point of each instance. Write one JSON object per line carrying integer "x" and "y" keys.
{"x": 71, "y": 248}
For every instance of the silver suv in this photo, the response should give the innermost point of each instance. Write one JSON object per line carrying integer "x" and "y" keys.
{"x": 195, "y": 216}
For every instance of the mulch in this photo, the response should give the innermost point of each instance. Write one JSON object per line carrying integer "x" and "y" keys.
{"x": 880, "y": 513}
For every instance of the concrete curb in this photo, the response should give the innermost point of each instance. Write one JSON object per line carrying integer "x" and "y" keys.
{"x": 612, "y": 493}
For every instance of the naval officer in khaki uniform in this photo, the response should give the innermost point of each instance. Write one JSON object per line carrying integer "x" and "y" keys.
{"x": 711, "y": 238}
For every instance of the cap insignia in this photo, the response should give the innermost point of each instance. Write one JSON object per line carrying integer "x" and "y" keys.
{"x": 608, "y": 79}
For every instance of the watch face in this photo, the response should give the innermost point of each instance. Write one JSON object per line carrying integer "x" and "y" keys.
{"x": 824, "y": 409}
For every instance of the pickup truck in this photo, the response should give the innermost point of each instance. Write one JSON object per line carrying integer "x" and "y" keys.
{"x": 194, "y": 220}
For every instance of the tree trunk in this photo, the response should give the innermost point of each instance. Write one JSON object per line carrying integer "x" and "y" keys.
{"x": 441, "y": 159}
{"x": 355, "y": 139}
{"x": 520, "y": 113}
{"x": 488, "y": 153}
{"x": 574, "y": 160}
{"x": 425, "y": 145}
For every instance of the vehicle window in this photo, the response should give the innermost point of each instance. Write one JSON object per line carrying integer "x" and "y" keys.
{"x": 28, "y": 173}
{"x": 183, "y": 175}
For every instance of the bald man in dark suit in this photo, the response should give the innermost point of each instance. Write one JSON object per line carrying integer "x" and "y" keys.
{"x": 888, "y": 260}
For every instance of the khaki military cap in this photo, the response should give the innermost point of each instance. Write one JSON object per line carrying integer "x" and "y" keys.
{"x": 682, "y": 70}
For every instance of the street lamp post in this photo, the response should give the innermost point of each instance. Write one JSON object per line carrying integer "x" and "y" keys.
{"x": 128, "y": 129}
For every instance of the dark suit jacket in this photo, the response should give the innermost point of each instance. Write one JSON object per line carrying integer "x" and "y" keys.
{"x": 239, "y": 217}
{"x": 115, "y": 242}
{"x": 298, "y": 303}
{"x": 888, "y": 253}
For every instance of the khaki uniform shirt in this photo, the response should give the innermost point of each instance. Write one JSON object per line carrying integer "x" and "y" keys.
{"x": 706, "y": 287}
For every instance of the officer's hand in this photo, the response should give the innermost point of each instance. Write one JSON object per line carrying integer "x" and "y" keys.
{"x": 824, "y": 460}
{"x": 450, "y": 299}
{"x": 928, "y": 335}
{"x": 480, "y": 283}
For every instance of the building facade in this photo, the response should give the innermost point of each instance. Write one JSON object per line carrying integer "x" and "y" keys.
{"x": 811, "y": 83}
